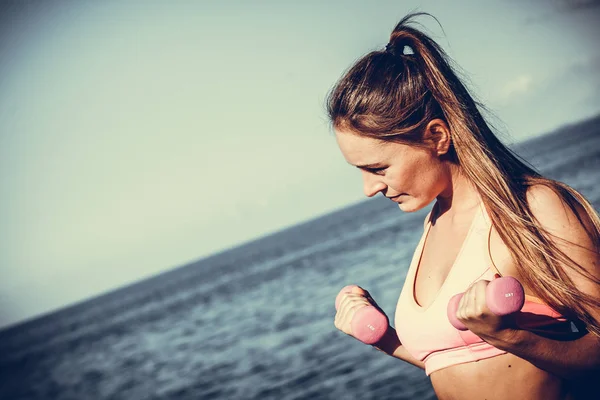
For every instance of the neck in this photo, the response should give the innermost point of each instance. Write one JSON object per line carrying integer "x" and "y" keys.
{"x": 459, "y": 197}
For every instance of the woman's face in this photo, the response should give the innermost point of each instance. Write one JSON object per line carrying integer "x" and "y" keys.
{"x": 410, "y": 176}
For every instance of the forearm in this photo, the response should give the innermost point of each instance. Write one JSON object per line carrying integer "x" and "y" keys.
{"x": 567, "y": 359}
{"x": 390, "y": 344}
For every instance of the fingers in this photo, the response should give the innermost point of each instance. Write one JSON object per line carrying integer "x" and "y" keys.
{"x": 348, "y": 306}
{"x": 366, "y": 294}
{"x": 360, "y": 291}
{"x": 472, "y": 305}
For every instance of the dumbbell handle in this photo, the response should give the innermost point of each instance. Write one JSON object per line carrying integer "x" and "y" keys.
{"x": 503, "y": 296}
{"x": 368, "y": 323}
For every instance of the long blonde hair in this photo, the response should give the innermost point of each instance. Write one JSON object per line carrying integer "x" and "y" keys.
{"x": 392, "y": 94}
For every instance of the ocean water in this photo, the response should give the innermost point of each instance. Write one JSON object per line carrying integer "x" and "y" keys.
{"x": 255, "y": 322}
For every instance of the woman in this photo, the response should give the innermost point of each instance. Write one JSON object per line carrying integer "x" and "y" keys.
{"x": 407, "y": 122}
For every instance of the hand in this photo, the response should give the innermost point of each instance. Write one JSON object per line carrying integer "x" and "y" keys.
{"x": 348, "y": 304}
{"x": 474, "y": 313}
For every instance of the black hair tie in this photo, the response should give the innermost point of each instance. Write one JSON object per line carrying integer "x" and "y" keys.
{"x": 389, "y": 48}
{"x": 396, "y": 50}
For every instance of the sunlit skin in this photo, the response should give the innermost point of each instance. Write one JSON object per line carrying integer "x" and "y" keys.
{"x": 413, "y": 177}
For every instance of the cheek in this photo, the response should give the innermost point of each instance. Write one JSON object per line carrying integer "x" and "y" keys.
{"x": 436, "y": 176}
{"x": 421, "y": 179}
{"x": 434, "y": 179}
{"x": 424, "y": 188}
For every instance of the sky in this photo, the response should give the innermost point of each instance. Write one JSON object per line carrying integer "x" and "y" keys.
{"x": 136, "y": 137}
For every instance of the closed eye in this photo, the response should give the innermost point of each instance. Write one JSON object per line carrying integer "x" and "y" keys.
{"x": 376, "y": 171}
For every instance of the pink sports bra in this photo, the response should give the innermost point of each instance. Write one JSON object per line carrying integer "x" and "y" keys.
{"x": 427, "y": 334}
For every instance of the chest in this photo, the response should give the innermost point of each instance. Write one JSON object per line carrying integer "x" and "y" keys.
{"x": 441, "y": 248}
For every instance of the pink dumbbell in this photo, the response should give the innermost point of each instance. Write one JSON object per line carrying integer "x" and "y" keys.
{"x": 368, "y": 324}
{"x": 503, "y": 296}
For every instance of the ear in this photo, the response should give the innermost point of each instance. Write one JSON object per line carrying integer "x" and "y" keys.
{"x": 438, "y": 133}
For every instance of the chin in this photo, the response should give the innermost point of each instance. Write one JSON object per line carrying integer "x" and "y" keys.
{"x": 410, "y": 205}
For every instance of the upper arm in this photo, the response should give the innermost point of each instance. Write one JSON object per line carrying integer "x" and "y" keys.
{"x": 568, "y": 230}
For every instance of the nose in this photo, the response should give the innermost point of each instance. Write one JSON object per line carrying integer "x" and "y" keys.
{"x": 372, "y": 184}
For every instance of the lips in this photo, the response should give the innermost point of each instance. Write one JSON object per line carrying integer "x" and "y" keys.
{"x": 395, "y": 197}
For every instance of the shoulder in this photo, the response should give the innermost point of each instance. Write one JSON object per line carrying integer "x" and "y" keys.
{"x": 570, "y": 228}
{"x": 567, "y": 226}
{"x": 562, "y": 220}
{"x": 542, "y": 198}
{"x": 573, "y": 229}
